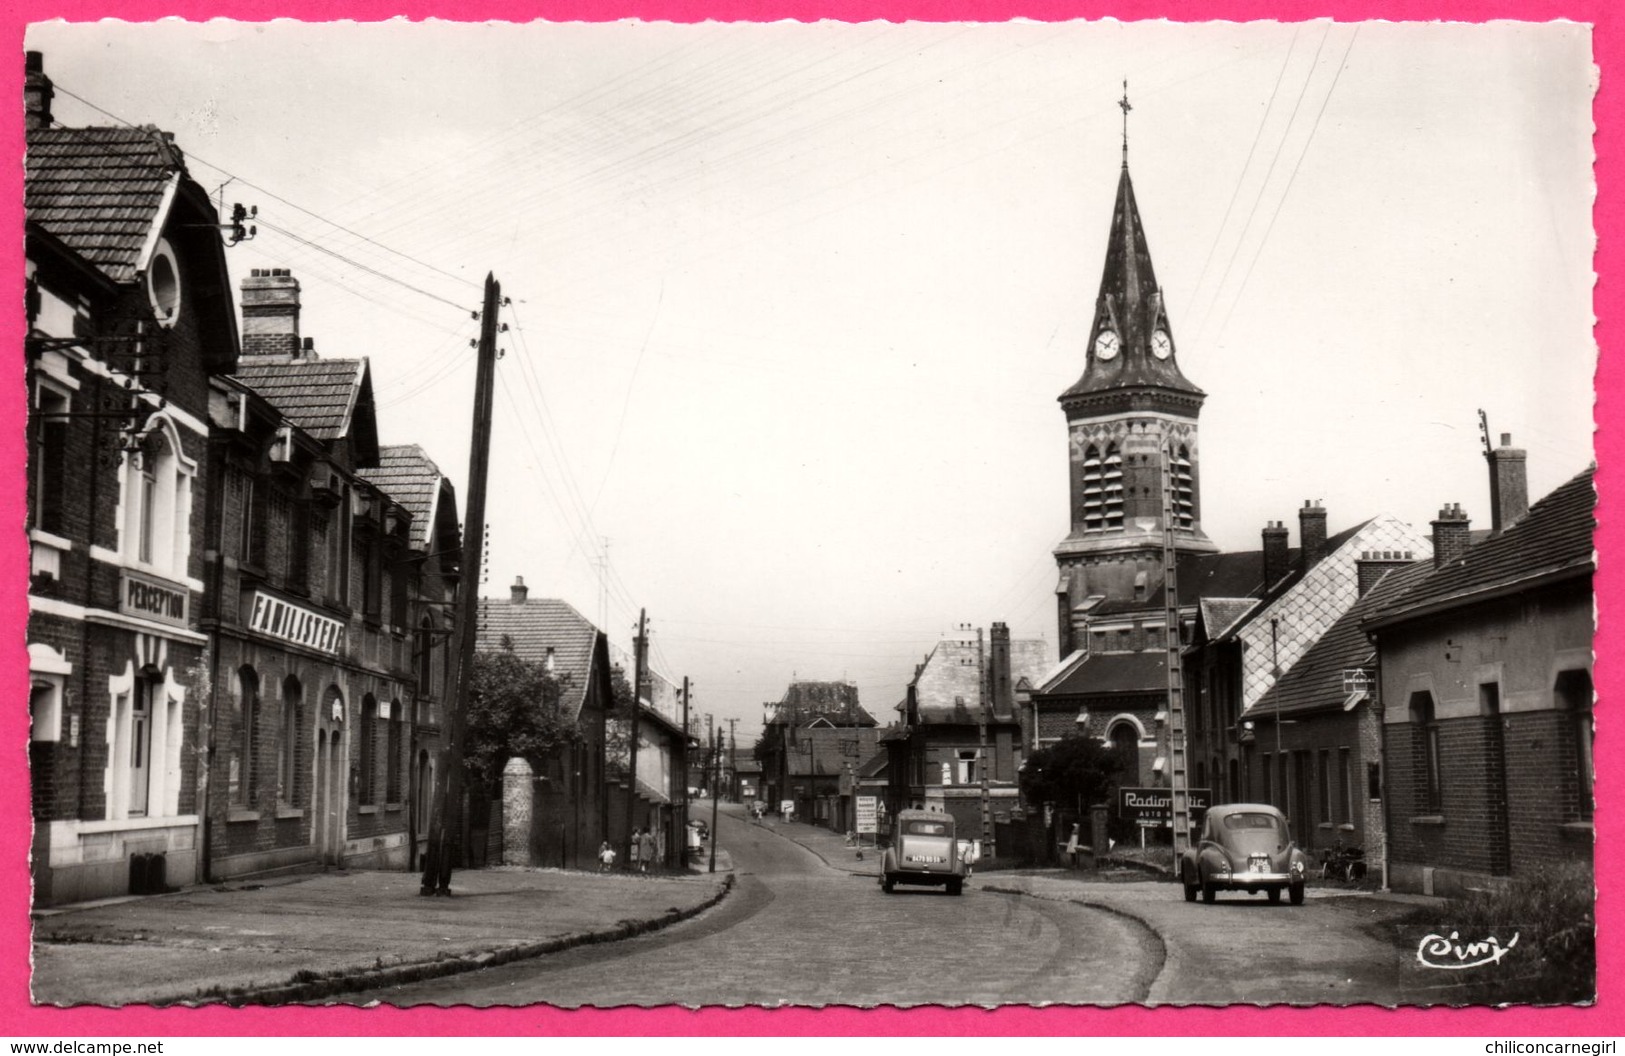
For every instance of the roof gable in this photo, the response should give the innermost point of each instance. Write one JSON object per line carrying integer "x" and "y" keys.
{"x": 948, "y": 684}
{"x": 538, "y": 625}
{"x": 331, "y": 399}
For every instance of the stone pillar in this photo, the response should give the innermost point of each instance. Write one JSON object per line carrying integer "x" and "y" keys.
{"x": 518, "y": 795}
{"x": 1097, "y": 832}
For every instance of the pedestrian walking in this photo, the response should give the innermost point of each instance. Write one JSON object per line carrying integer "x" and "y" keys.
{"x": 635, "y": 848}
{"x": 646, "y": 850}
{"x": 606, "y": 857}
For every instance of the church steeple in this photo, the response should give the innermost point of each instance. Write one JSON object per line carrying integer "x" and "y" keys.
{"x": 1131, "y": 344}
{"x": 1131, "y": 419}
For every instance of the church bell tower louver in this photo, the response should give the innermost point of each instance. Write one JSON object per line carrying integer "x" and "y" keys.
{"x": 1130, "y": 415}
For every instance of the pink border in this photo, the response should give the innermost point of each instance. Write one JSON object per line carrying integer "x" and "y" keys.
{"x": 23, "y": 1019}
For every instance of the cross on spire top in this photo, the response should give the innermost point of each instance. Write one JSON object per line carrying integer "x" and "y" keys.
{"x": 1124, "y": 103}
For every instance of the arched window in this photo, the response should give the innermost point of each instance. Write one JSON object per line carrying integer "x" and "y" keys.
{"x": 366, "y": 735}
{"x": 248, "y": 723}
{"x": 293, "y": 721}
{"x": 1425, "y": 758}
{"x": 1112, "y": 487}
{"x": 392, "y": 764}
{"x": 1573, "y": 695}
{"x": 1125, "y": 741}
{"x": 1183, "y": 488}
{"x": 157, "y": 501}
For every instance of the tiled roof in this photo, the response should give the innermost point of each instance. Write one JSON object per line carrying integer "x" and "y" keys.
{"x": 1307, "y": 606}
{"x": 100, "y": 190}
{"x": 1143, "y": 672}
{"x": 409, "y": 477}
{"x": 876, "y": 766}
{"x": 1553, "y": 537}
{"x": 317, "y": 395}
{"x": 1315, "y": 682}
{"x": 948, "y": 686}
{"x": 536, "y": 624}
{"x": 836, "y": 702}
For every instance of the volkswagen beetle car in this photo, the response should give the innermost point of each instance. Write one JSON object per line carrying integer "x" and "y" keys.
{"x": 1244, "y": 847}
{"x": 923, "y": 851}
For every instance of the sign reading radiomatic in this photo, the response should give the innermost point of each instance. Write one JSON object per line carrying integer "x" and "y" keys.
{"x": 1153, "y": 808}
{"x": 295, "y": 623}
{"x": 866, "y": 814}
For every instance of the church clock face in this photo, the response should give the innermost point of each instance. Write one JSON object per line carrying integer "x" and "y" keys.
{"x": 1162, "y": 346}
{"x": 1106, "y": 345}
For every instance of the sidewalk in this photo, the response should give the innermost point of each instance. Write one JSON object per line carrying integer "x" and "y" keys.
{"x": 307, "y": 937}
{"x": 829, "y": 846}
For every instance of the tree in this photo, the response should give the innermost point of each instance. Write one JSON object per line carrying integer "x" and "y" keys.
{"x": 616, "y": 741}
{"x": 1076, "y": 771}
{"x": 514, "y": 710}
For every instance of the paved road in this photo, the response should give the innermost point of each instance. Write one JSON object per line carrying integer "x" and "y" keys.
{"x": 796, "y": 931}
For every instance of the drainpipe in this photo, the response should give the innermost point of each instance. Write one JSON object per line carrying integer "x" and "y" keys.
{"x": 212, "y": 503}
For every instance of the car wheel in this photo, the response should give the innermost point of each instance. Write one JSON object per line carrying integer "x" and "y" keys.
{"x": 886, "y": 885}
{"x": 1297, "y": 894}
{"x": 956, "y": 887}
{"x": 1190, "y": 888}
{"x": 1209, "y": 893}
{"x": 1275, "y": 894}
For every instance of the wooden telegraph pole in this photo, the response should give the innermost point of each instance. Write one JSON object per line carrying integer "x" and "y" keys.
{"x": 445, "y": 821}
{"x": 638, "y": 666}
{"x": 985, "y": 760}
{"x": 682, "y": 829}
{"x": 716, "y": 772}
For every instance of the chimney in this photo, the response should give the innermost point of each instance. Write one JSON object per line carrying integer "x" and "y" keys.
{"x": 1509, "y": 485}
{"x": 1311, "y": 534}
{"x": 518, "y": 591}
{"x": 1451, "y": 534}
{"x": 1000, "y": 689}
{"x": 37, "y": 92}
{"x": 271, "y": 317}
{"x": 1374, "y": 564}
{"x": 1275, "y": 553}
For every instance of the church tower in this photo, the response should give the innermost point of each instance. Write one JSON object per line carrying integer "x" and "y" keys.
{"x": 1131, "y": 414}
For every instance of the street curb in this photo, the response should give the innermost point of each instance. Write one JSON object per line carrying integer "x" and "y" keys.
{"x": 349, "y": 981}
{"x": 1162, "y": 951}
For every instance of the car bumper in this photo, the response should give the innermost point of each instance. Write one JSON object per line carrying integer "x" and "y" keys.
{"x": 1254, "y": 881}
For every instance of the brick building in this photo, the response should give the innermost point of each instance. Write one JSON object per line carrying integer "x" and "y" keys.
{"x": 570, "y": 811}
{"x": 808, "y": 739}
{"x": 129, "y": 314}
{"x": 1485, "y": 681}
{"x": 935, "y": 755}
{"x": 330, "y": 666}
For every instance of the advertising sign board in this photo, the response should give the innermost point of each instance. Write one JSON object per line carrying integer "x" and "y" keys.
{"x": 1153, "y": 808}
{"x": 866, "y": 814}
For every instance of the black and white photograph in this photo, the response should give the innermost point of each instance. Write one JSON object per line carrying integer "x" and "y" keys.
{"x": 814, "y": 514}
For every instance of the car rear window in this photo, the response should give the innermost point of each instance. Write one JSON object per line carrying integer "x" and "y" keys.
{"x": 1252, "y": 821}
{"x": 926, "y": 828}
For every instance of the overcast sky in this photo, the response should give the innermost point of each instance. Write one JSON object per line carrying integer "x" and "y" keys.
{"x": 793, "y": 303}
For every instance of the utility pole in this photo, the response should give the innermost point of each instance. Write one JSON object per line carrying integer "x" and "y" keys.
{"x": 683, "y": 825}
{"x": 715, "y": 755}
{"x": 446, "y": 821}
{"x": 638, "y": 663}
{"x": 986, "y": 762}
{"x": 1178, "y": 782}
{"x": 733, "y": 748}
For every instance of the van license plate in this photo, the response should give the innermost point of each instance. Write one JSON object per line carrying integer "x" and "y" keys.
{"x": 927, "y": 859}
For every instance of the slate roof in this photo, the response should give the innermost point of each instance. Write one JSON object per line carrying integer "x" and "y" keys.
{"x": 1221, "y": 614}
{"x": 1553, "y": 538}
{"x": 100, "y": 190}
{"x": 1142, "y": 672}
{"x": 836, "y": 702}
{"x": 531, "y": 627}
{"x": 317, "y": 395}
{"x": 947, "y": 688}
{"x": 411, "y": 478}
{"x": 876, "y": 766}
{"x": 1315, "y": 682}
{"x": 1306, "y": 604}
